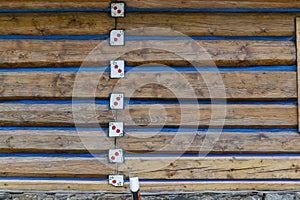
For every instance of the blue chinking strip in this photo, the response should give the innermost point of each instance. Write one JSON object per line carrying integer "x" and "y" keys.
{"x": 54, "y": 37}
{"x": 153, "y": 68}
{"x": 134, "y": 101}
{"x": 55, "y": 10}
{"x": 180, "y": 10}
{"x": 131, "y": 38}
{"x": 143, "y": 129}
{"x": 212, "y": 10}
{"x": 278, "y": 38}
{"x": 87, "y": 155}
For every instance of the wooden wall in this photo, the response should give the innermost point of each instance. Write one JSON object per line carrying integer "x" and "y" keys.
{"x": 252, "y": 42}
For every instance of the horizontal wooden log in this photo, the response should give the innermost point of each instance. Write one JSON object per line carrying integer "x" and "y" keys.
{"x": 214, "y": 4}
{"x": 41, "y": 4}
{"x": 36, "y": 53}
{"x": 55, "y": 23}
{"x": 54, "y": 185}
{"x": 57, "y": 4}
{"x": 169, "y": 115}
{"x": 211, "y": 24}
{"x": 156, "y": 167}
{"x": 59, "y": 141}
{"x": 245, "y": 85}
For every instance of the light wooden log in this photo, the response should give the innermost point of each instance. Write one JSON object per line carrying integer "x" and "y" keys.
{"x": 213, "y": 4}
{"x": 245, "y": 85}
{"x": 211, "y": 24}
{"x": 169, "y": 115}
{"x": 37, "y": 53}
{"x": 84, "y": 141}
{"x": 240, "y": 167}
{"x": 152, "y": 187}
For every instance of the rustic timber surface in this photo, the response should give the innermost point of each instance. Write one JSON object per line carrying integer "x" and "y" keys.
{"x": 49, "y": 185}
{"x": 202, "y": 24}
{"x": 185, "y": 115}
{"x": 160, "y": 167}
{"x": 238, "y": 85}
{"x": 37, "y": 53}
{"x": 258, "y": 150}
{"x": 67, "y": 141}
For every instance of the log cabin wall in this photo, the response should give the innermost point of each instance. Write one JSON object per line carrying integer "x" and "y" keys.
{"x": 252, "y": 42}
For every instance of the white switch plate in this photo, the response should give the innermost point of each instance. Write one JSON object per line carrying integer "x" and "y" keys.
{"x": 116, "y": 156}
{"x": 116, "y": 129}
{"x": 117, "y": 37}
{"x": 116, "y": 180}
{"x": 117, "y": 9}
{"x": 116, "y": 101}
{"x": 117, "y": 69}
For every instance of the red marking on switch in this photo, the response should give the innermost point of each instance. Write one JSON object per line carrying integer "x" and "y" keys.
{"x": 113, "y": 127}
{"x": 118, "y": 131}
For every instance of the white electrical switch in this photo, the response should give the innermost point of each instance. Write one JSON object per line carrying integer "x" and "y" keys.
{"x": 117, "y": 9}
{"x": 115, "y": 129}
{"x": 116, "y": 156}
{"x": 117, "y": 37}
{"x": 116, "y": 180}
{"x": 116, "y": 101}
{"x": 117, "y": 69}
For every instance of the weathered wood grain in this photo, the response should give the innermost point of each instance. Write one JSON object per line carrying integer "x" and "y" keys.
{"x": 214, "y": 24}
{"x": 56, "y": 4}
{"x": 55, "y": 23}
{"x": 36, "y": 53}
{"x": 157, "y": 115}
{"x": 213, "y": 4}
{"x": 264, "y": 85}
{"x": 54, "y": 185}
{"x": 64, "y": 141}
{"x": 298, "y": 66}
{"x": 156, "y": 167}
{"x": 214, "y": 167}
{"x": 211, "y": 24}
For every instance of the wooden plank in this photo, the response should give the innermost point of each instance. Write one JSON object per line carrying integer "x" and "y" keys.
{"x": 213, "y": 4}
{"x": 214, "y": 167}
{"x": 55, "y": 23}
{"x": 245, "y": 85}
{"x": 298, "y": 66}
{"x": 64, "y": 141}
{"x": 169, "y": 115}
{"x": 156, "y": 167}
{"x": 56, "y": 4}
{"x": 212, "y": 24}
{"x": 54, "y": 185}
{"x": 37, "y": 53}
